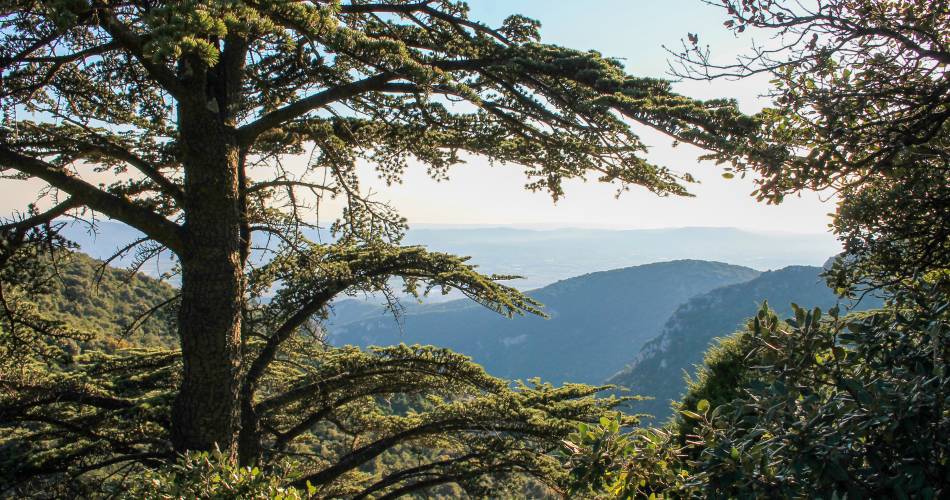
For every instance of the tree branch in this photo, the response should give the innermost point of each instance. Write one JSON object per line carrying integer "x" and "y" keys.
{"x": 423, "y": 7}
{"x": 155, "y": 226}
{"x": 119, "y": 153}
{"x": 135, "y": 46}
{"x": 367, "y": 264}
{"x": 260, "y": 364}
{"x": 376, "y": 448}
{"x": 435, "y": 481}
{"x": 404, "y": 474}
{"x": 41, "y": 218}
{"x": 65, "y": 396}
{"x": 62, "y": 59}
{"x": 249, "y": 132}
{"x": 288, "y": 183}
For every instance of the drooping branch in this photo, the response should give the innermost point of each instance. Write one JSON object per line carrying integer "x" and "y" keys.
{"x": 459, "y": 406}
{"x": 450, "y": 426}
{"x": 438, "y": 480}
{"x": 284, "y": 438}
{"x": 313, "y": 279}
{"x": 411, "y": 472}
{"x": 351, "y": 370}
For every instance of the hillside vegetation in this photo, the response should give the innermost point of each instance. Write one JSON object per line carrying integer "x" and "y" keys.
{"x": 112, "y": 305}
{"x": 226, "y": 137}
{"x": 659, "y": 369}
{"x": 595, "y": 322}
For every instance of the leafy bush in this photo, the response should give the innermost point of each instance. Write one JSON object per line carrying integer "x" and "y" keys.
{"x": 607, "y": 460}
{"x": 212, "y": 476}
{"x": 718, "y": 381}
{"x": 811, "y": 406}
{"x": 854, "y": 405}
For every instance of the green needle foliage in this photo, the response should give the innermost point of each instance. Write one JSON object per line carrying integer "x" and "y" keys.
{"x": 324, "y": 422}
{"x": 192, "y": 122}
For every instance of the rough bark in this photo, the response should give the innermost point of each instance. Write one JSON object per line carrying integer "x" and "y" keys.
{"x": 250, "y": 446}
{"x": 206, "y": 412}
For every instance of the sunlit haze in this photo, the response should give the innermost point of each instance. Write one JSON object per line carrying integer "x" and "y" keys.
{"x": 635, "y": 32}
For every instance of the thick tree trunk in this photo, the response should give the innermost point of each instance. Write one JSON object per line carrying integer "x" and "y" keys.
{"x": 206, "y": 412}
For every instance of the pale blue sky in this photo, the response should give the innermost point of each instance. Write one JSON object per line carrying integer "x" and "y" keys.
{"x": 633, "y": 30}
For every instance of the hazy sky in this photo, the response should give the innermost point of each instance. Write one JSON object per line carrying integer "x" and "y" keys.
{"x": 633, "y": 30}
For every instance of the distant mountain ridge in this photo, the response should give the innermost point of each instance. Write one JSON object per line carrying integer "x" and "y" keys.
{"x": 596, "y": 321}
{"x": 658, "y": 369}
{"x": 546, "y": 256}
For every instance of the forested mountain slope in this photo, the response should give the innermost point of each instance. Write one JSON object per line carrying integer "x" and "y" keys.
{"x": 658, "y": 370}
{"x": 106, "y": 302}
{"x": 595, "y": 321}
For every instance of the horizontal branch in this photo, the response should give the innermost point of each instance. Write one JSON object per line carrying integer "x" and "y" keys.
{"x": 152, "y": 224}
{"x": 248, "y": 133}
{"x": 287, "y": 183}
